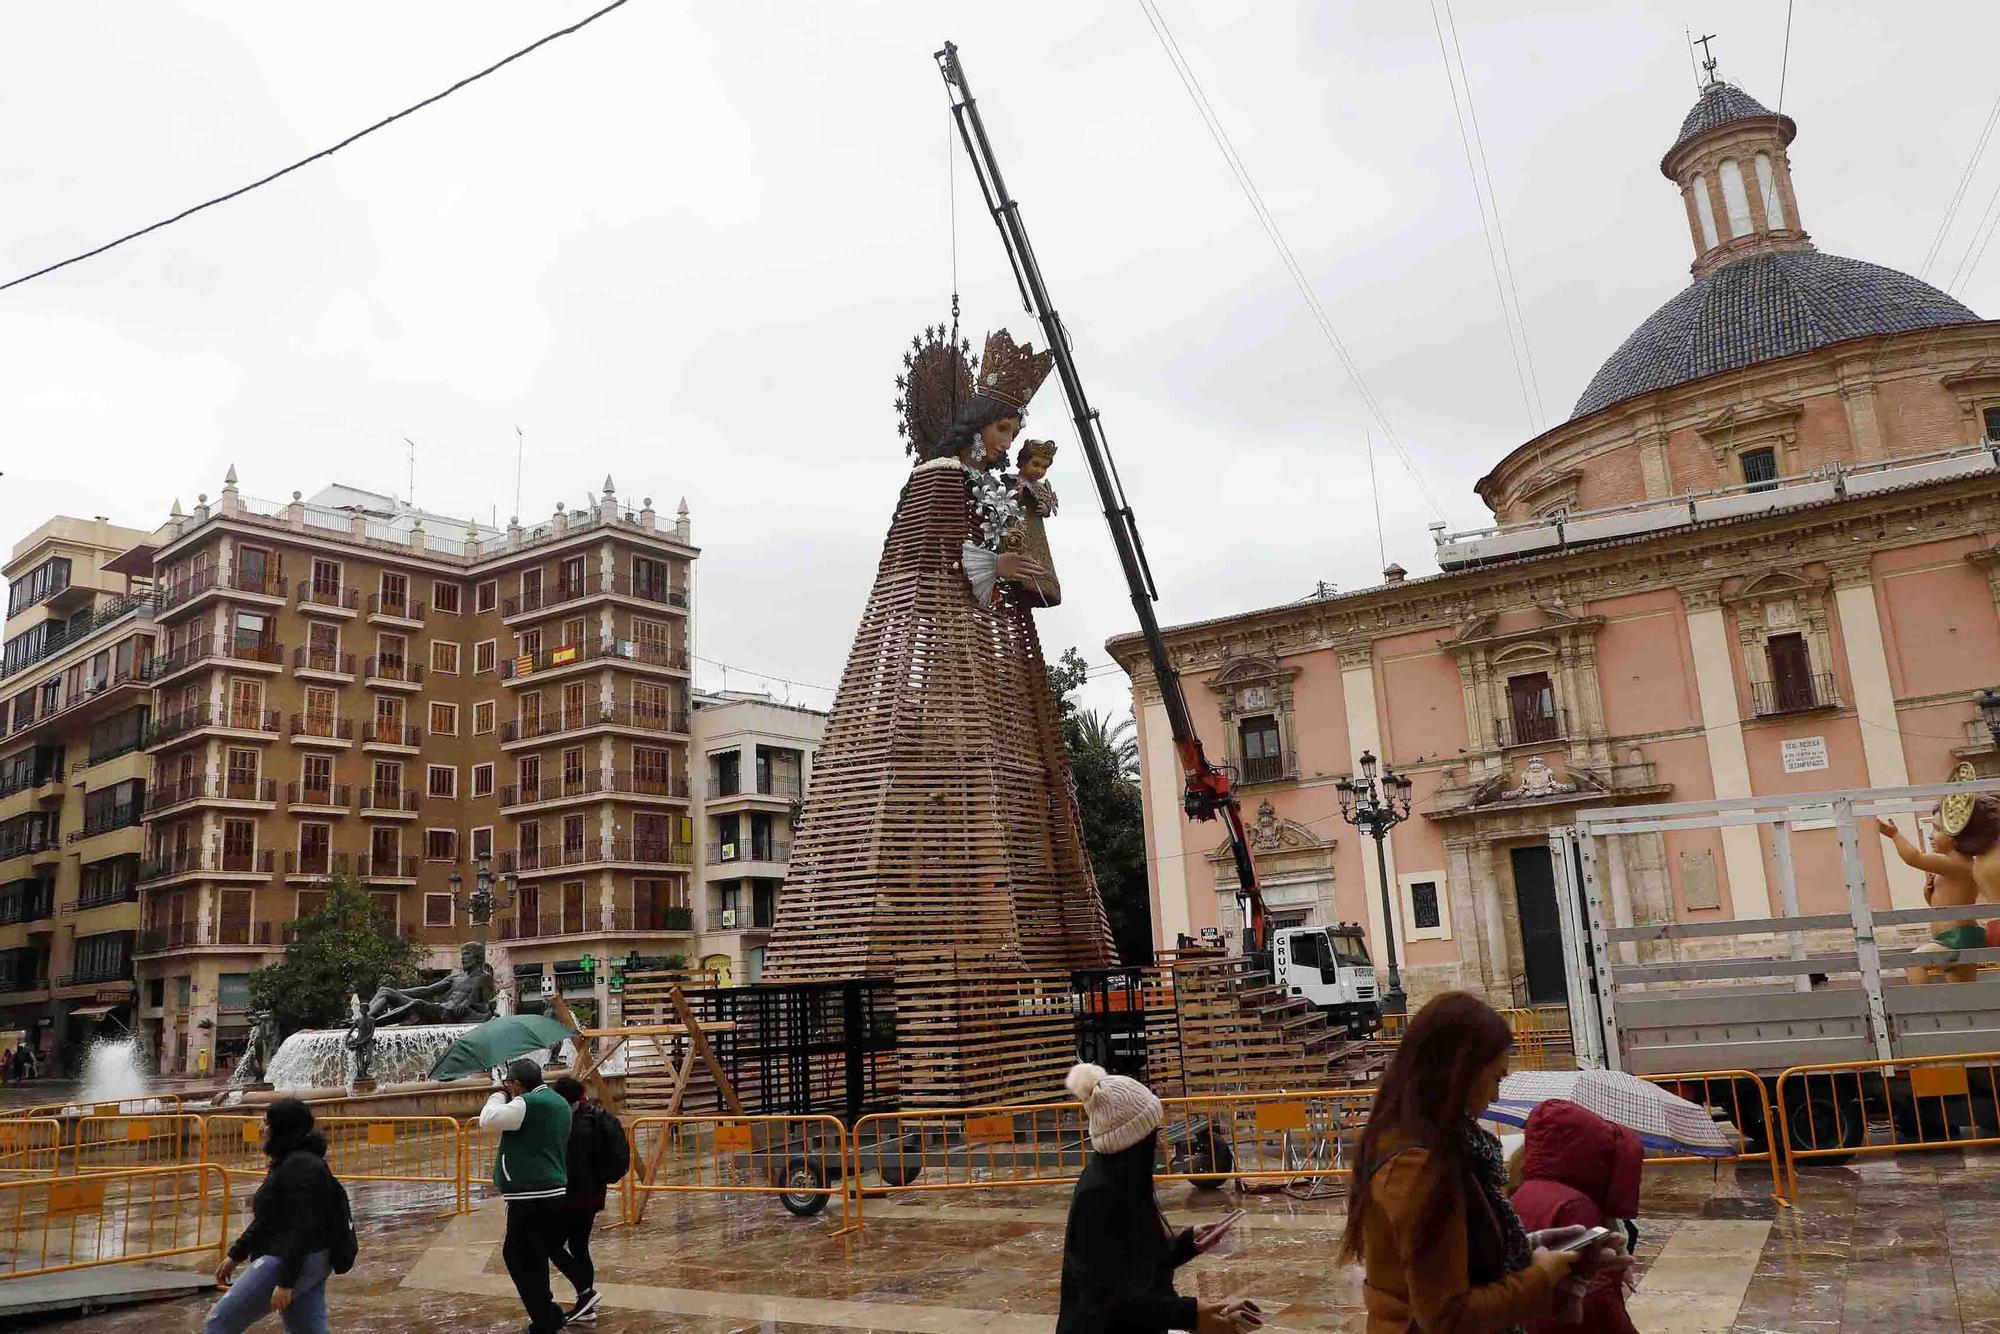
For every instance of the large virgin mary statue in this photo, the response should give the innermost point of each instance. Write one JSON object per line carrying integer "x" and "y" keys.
{"x": 942, "y": 824}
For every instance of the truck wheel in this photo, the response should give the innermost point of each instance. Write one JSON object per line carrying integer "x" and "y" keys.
{"x": 899, "y": 1165}
{"x": 1206, "y": 1156}
{"x": 805, "y": 1193}
{"x": 1820, "y": 1119}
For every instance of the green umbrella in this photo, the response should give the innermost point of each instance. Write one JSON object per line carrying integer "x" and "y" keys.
{"x": 498, "y": 1041}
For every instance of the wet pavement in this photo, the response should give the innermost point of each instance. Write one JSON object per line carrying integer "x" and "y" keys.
{"x": 1905, "y": 1244}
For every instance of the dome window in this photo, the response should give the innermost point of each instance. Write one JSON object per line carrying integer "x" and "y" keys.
{"x": 1760, "y": 468}
{"x": 1735, "y": 200}
{"x": 1767, "y": 190}
{"x": 1705, "y": 210}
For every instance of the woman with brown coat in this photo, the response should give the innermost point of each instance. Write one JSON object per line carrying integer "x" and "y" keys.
{"x": 1441, "y": 1248}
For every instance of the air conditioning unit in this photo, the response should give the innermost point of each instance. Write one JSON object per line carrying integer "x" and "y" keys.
{"x": 728, "y": 918}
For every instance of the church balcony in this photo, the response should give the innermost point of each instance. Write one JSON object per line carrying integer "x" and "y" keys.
{"x": 1531, "y": 729}
{"x": 1796, "y": 694}
{"x": 1282, "y": 767}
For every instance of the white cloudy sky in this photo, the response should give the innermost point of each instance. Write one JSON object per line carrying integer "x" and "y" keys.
{"x": 686, "y": 246}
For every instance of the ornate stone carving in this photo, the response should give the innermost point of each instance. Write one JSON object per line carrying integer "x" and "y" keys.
{"x": 1538, "y": 780}
{"x": 1753, "y": 425}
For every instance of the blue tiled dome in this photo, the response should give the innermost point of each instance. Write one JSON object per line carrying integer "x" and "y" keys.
{"x": 1723, "y": 104}
{"x": 1760, "y": 308}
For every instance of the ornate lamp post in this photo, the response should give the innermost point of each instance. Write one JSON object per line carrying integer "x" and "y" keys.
{"x": 483, "y": 899}
{"x": 1989, "y": 709}
{"x": 1375, "y": 810}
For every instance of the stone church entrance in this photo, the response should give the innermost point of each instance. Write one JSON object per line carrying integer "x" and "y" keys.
{"x": 1541, "y": 929}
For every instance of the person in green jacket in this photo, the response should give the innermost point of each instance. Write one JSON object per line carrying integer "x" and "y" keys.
{"x": 531, "y": 1173}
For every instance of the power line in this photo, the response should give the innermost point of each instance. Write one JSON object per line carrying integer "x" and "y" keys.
{"x": 323, "y": 153}
{"x": 1958, "y": 194}
{"x": 1975, "y": 246}
{"x": 1785, "y": 61}
{"x": 1265, "y": 219}
{"x": 762, "y": 676}
{"x": 1523, "y": 362}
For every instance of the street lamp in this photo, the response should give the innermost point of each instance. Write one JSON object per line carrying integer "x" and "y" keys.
{"x": 483, "y": 900}
{"x": 1375, "y": 809}
{"x": 1989, "y": 709}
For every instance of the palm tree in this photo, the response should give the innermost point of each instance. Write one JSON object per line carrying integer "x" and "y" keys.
{"x": 1117, "y": 744}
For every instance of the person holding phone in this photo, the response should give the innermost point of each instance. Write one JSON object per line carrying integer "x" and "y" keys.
{"x": 1119, "y": 1254}
{"x": 1427, "y": 1214}
{"x": 1578, "y": 1169}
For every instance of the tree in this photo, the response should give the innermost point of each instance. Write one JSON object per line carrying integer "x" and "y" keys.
{"x": 339, "y": 949}
{"x": 1104, "y": 758}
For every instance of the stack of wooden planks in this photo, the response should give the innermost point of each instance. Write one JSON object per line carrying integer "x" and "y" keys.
{"x": 1239, "y": 1033}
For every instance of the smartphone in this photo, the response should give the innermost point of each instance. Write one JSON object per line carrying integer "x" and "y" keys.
{"x": 1586, "y": 1241}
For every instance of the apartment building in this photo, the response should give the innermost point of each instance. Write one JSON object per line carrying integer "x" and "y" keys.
{"x": 757, "y": 756}
{"x": 72, "y": 783}
{"x": 350, "y": 685}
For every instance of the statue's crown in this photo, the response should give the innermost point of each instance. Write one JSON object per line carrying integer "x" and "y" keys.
{"x": 1011, "y": 372}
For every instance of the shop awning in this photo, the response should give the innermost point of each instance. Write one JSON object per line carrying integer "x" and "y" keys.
{"x": 91, "y": 1011}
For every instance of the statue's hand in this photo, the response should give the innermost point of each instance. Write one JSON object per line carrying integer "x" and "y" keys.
{"x": 1019, "y": 568}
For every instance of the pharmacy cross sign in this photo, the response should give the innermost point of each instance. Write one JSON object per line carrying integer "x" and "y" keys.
{"x": 587, "y": 964}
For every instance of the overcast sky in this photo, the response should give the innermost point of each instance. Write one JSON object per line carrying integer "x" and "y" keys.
{"x": 686, "y": 246}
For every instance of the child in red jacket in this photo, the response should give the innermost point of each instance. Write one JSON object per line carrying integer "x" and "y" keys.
{"x": 1578, "y": 1168}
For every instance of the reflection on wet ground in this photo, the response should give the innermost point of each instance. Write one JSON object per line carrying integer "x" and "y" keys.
{"x": 1905, "y": 1245}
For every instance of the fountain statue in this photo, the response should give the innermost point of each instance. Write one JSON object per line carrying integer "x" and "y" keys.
{"x": 465, "y": 996}
{"x": 360, "y": 1038}
{"x": 252, "y": 1070}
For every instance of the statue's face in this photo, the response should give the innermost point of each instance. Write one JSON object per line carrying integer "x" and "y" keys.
{"x": 469, "y": 956}
{"x": 1035, "y": 467}
{"x": 996, "y": 438}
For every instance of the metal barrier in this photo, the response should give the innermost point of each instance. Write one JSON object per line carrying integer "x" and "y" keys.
{"x": 803, "y": 1160}
{"x": 1205, "y": 1139}
{"x": 422, "y": 1150}
{"x": 30, "y": 1147}
{"x": 1845, "y": 1108}
{"x": 158, "y": 1103}
{"x": 1724, "y": 1090}
{"x": 1541, "y": 1036}
{"x": 54, "y": 1224}
{"x": 123, "y": 1143}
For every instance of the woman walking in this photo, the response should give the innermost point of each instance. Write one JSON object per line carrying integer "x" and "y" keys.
{"x": 1428, "y": 1217}
{"x": 1119, "y": 1255}
{"x": 287, "y": 1243}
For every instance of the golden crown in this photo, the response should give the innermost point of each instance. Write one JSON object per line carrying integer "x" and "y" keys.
{"x": 1011, "y": 372}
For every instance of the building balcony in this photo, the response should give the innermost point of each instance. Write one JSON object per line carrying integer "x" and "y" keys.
{"x": 157, "y": 939}
{"x": 132, "y": 746}
{"x": 1796, "y": 694}
{"x": 1531, "y": 729}
{"x": 617, "y": 715}
{"x": 779, "y": 787}
{"x": 29, "y": 908}
{"x": 567, "y": 658}
{"x": 567, "y": 594}
{"x": 315, "y": 865}
{"x": 248, "y": 654}
{"x": 385, "y": 673}
{"x": 259, "y": 794}
{"x": 594, "y": 784}
{"x": 395, "y": 738}
{"x": 259, "y": 864}
{"x": 182, "y": 596}
{"x": 389, "y": 802}
{"x": 81, "y": 627}
{"x": 322, "y": 664}
{"x": 742, "y": 919}
{"x": 321, "y": 729}
{"x": 238, "y": 724}
{"x": 774, "y": 851}
{"x": 244, "y": 931}
{"x": 46, "y": 785}
{"x": 41, "y": 849}
{"x": 15, "y": 988}
{"x": 328, "y": 798}
{"x": 120, "y": 971}
{"x": 109, "y": 898}
{"x": 1280, "y": 768}
{"x": 321, "y": 600}
{"x": 388, "y": 866}
{"x": 128, "y": 818}
{"x": 624, "y": 920}
{"x": 228, "y": 931}
{"x": 402, "y": 611}
{"x": 95, "y": 699}
{"x": 596, "y": 852}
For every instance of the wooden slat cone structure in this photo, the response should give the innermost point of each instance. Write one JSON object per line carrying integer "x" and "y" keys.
{"x": 940, "y": 844}
{"x": 1239, "y": 1033}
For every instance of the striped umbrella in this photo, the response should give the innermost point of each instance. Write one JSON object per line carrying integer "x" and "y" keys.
{"x": 1663, "y": 1121}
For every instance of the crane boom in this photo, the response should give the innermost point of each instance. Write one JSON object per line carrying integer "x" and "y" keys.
{"x": 1209, "y": 792}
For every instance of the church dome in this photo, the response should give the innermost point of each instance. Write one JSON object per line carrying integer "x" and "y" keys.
{"x": 1723, "y": 104}
{"x": 1759, "y": 308}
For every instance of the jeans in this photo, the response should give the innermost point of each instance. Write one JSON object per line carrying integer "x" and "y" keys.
{"x": 248, "y": 1299}
{"x": 572, "y": 1257}
{"x": 535, "y": 1230}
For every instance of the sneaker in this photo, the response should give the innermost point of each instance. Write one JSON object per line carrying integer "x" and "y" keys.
{"x": 585, "y": 1310}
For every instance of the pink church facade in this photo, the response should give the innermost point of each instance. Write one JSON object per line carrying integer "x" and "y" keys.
{"x": 1763, "y": 556}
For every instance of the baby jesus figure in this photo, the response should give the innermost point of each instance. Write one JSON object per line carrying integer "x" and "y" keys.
{"x": 1038, "y": 585}
{"x": 1951, "y": 884}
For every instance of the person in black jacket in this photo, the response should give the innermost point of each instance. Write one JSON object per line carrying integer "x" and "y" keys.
{"x": 1119, "y": 1255}
{"x": 583, "y": 1200}
{"x": 288, "y": 1237}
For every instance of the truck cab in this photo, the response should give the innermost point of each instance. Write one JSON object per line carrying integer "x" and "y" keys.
{"x": 1329, "y": 967}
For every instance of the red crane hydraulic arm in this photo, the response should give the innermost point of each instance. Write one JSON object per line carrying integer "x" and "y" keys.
{"x": 1210, "y": 792}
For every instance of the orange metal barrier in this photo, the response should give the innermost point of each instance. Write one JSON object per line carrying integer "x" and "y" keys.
{"x": 1541, "y": 1036}
{"x": 1206, "y": 1139}
{"x": 30, "y": 1147}
{"x": 1724, "y": 1090}
{"x": 801, "y": 1159}
{"x": 122, "y": 1143}
{"x": 162, "y": 1103}
{"x": 53, "y": 1224}
{"x": 1870, "y": 1107}
{"x": 422, "y": 1150}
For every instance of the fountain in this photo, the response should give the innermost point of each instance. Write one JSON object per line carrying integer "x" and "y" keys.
{"x": 320, "y": 1058}
{"x": 113, "y": 1073}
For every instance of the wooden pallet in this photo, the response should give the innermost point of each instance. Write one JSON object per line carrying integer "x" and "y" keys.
{"x": 1240, "y": 1034}
{"x": 940, "y": 844}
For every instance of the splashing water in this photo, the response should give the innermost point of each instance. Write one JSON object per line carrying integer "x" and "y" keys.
{"x": 318, "y": 1058}
{"x": 112, "y": 1073}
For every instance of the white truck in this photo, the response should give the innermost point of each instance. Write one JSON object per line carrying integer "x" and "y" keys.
{"x": 1762, "y": 996}
{"x": 1329, "y": 967}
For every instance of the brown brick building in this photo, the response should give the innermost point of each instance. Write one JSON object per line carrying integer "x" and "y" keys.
{"x": 351, "y": 685}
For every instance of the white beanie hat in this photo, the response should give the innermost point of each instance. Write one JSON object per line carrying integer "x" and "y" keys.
{"x": 1122, "y": 1111}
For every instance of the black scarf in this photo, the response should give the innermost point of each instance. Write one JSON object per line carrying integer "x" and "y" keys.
{"x": 1489, "y": 1173}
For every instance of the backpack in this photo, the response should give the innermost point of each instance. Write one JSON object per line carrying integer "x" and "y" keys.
{"x": 613, "y": 1154}
{"x": 342, "y": 1246}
